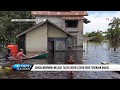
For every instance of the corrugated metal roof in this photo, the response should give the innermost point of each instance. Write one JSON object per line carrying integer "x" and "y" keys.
{"x": 61, "y": 13}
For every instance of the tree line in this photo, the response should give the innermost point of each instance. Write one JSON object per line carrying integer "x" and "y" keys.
{"x": 112, "y": 33}
{"x": 9, "y": 29}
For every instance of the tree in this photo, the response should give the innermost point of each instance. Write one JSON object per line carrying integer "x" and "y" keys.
{"x": 97, "y": 36}
{"x": 8, "y": 29}
{"x": 114, "y": 30}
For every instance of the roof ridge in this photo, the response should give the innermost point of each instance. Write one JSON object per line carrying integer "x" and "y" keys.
{"x": 41, "y": 23}
{"x": 58, "y": 13}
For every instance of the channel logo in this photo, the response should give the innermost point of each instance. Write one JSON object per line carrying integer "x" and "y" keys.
{"x": 22, "y": 67}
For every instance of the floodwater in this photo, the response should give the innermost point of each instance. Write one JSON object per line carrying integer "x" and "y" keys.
{"x": 91, "y": 54}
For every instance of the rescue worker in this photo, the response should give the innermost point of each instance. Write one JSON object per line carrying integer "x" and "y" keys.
{"x": 20, "y": 56}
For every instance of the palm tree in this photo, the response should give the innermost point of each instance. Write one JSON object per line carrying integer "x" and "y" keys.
{"x": 114, "y": 31}
{"x": 110, "y": 34}
{"x": 115, "y": 23}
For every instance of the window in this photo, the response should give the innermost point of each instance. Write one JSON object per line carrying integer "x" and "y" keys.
{"x": 71, "y": 23}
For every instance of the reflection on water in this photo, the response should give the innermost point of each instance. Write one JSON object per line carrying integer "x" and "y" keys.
{"x": 92, "y": 54}
{"x": 57, "y": 58}
{"x": 63, "y": 57}
{"x": 95, "y": 53}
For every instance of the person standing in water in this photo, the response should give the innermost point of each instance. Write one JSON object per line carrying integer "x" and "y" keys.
{"x": 71, "y": 61}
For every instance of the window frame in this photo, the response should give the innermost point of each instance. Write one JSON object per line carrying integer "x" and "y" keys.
{"x": 69, "y": 23}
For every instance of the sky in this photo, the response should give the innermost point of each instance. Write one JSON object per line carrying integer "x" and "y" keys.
{"x": 99, "y": 20}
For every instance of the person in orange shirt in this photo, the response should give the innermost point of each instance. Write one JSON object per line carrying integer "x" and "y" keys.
{"x": 20, "y": 56}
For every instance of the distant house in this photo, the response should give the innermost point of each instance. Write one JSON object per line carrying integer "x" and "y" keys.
{"x": 45, "y": 36}
{"x": 69, "y": 21}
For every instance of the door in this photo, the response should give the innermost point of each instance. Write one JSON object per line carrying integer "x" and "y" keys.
{"x": 60, "y": 45}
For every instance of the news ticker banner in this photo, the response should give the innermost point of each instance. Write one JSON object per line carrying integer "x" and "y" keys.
{"x": 27, "y": 20}
{"x": 65, "y": 67}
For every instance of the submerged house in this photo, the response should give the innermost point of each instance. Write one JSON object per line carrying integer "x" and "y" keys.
{"x": 45, "y": 36}
{"x": 70, "y": 21}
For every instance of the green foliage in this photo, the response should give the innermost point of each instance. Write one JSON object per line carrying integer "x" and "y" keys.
{"x": 4, "y": 71}
{"x": 114, "y": 31}
{"x": 98, "y": 36}
{"x": 8, "y": 29}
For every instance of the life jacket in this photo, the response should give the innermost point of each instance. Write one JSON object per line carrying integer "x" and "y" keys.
{"x": 13, "y": 48}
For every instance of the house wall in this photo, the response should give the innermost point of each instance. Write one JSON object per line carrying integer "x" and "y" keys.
{"x": 54, "y": 19}
{"x": 80, "y": 33}
{"x": 57, "y": 36}
{"x": 61, "y": 23}
{"x": 36, "y": 40}
{"x": 55, "y": 33}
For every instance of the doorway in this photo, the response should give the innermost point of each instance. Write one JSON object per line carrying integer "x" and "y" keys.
{"x": 50, "y": 45}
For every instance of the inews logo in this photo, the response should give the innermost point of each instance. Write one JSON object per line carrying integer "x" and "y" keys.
{"x": 16, "y": 67}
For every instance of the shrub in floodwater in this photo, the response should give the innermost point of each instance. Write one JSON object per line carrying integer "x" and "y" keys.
{"x": 4, "y": 70}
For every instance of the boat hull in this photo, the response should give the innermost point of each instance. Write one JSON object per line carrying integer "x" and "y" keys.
{"x": 40, "y": 56}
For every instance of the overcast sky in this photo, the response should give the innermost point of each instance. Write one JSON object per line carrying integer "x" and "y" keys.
{"x": 99, "y": 20}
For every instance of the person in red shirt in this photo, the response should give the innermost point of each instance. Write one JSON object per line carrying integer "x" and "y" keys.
{"x": 20, "y": 56}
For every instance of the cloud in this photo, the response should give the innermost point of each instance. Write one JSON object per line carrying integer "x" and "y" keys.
{"x": 99, "y": 20}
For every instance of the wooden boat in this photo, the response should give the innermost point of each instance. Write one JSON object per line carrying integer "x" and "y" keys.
{"x": 107, "y": 63}
{"x": 43, "y": 55}
{"x": 11, "y": 60}
{"x": 104, "y": 63}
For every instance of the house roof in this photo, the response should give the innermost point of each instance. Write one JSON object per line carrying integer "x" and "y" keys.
{"x": 41, "y": 23}
{"x": 60, "y": 13}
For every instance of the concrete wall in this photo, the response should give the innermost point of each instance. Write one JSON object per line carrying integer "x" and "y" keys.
{"x": 36, "y": 40}
{"x": 61, "y": 23}
{"x": 54, "y": 19}
{"x": 80, "y": 26}
{"x": 80, "y": 33}
{"x": 55, "y": 33}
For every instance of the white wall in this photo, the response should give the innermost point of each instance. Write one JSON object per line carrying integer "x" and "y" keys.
{"x": 54, "y": 19}
{"x": 54, "y": 32}
{"x": 80, "y": 33}
{"x": 61, "y": 23}
{"x": 36, "y": 40}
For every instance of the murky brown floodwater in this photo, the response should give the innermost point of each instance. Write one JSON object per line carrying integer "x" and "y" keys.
{"x": 93, "y": 54}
